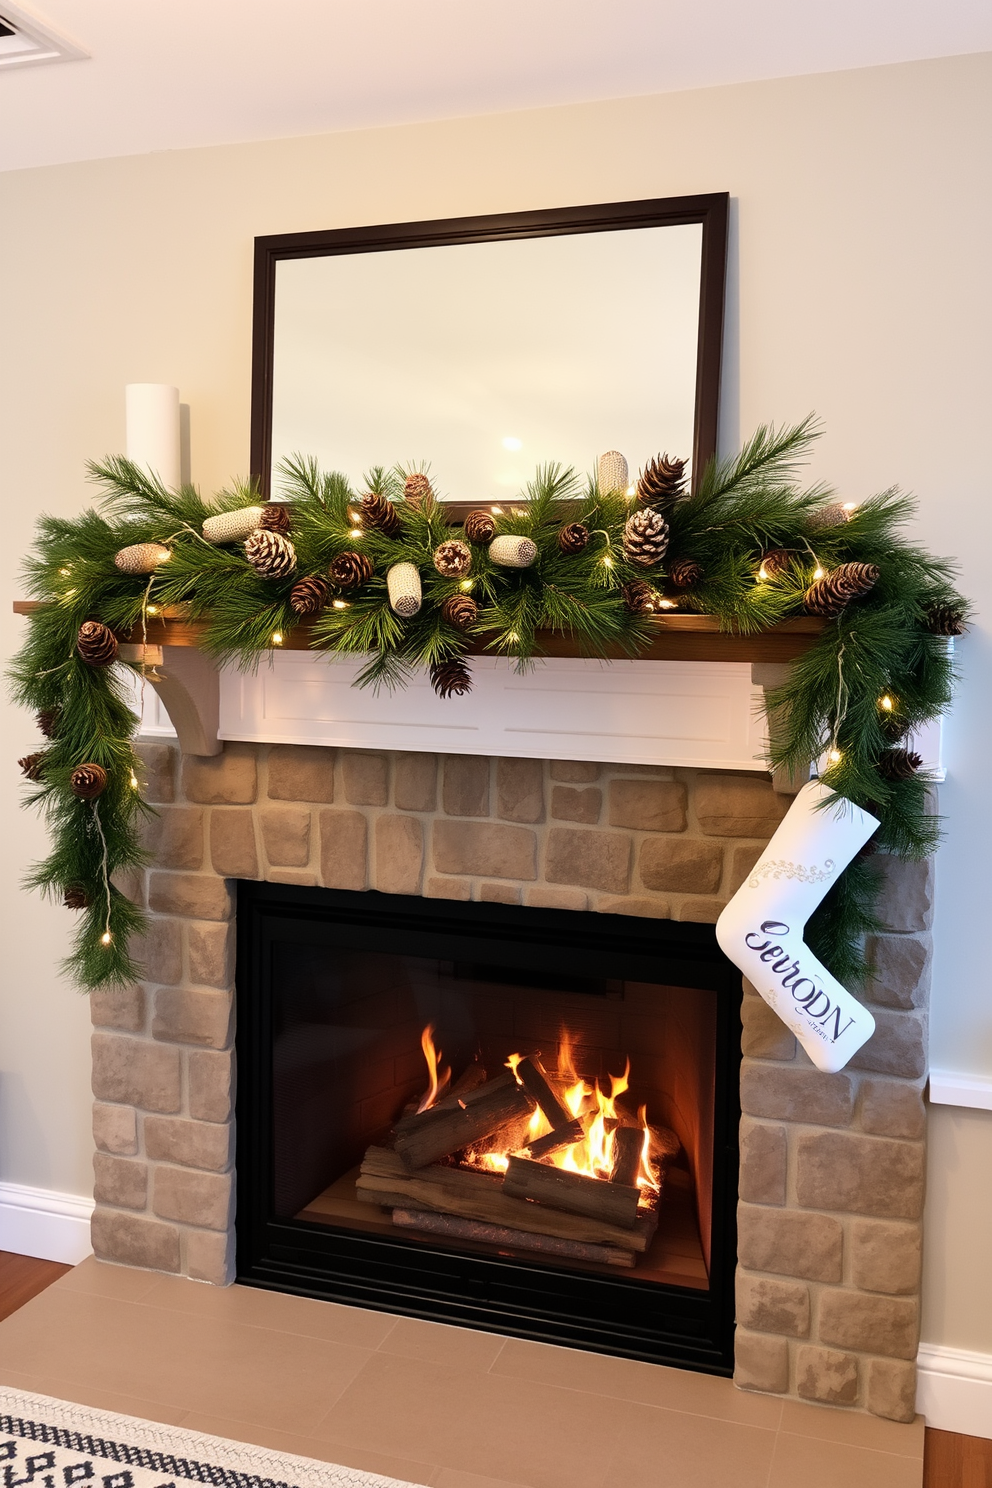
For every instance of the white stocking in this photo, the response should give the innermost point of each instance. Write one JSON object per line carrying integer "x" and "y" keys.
{"x": 761, "y": 929}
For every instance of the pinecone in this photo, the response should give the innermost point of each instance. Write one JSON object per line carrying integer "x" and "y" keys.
{"x": 379, "y": 513}
{"x": 274, "y": 518}
{"x": 899, "y": 764}
{"x": 639, "y": 597}
{"x": 660, "y": 484}
{"x": 945, "y": 620}
{"x": 453, "y": 558}
{"x": 88, "y": 781}
{"x": 479, "y": 527}
{"x": 776, "y": 561}
{"x": 827, "y": 516}
{"x": 685, "y": 572}
{"x": 829, "y": 595}
{"x": 308, "y": 596}
{"x": 460, "y": 610}
{"x": 645, "y": 537}
{"x": 32, "y": 765}
{"x": 47, "y": 720}
{"x": 96, "y": 643}
{"x": 271, "y": 555}
{"x": 451, "y": 678}
{"x": 75, "y": 897}
{"x": 350, "y": 570}
{"x": 417, "y": 488}
{"x": 573, "y": 538}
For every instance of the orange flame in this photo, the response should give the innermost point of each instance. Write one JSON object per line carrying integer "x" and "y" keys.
{"x": 433, "y": 1057}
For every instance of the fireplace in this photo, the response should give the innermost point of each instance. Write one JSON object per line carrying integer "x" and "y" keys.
{"x": 519, "y": 1119}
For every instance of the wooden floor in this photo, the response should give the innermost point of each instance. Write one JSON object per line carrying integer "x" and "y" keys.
{"x": 951, "y": 1461}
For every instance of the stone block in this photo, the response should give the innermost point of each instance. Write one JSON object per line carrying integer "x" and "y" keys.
{"x": 886, "y": 1257}
{"x": 210, "y": 1077}
{"x": 761, "y": 1362}
{"x": 648, "y": 805}
{"x": 286, "y": 835}
{"x": 738, "y": 805}
{"x": 765, "y": 1036}
{"x": 210, "y": 1257}
{"x": 520, "y": 790}
{"x": 131, "y": 1241}
{"x": 772, "y": 1306}
{"x": 905, "y": 903}
{"x": 305, "y": 877}
{"x": 699, "y": 911}
{"x": 862, "y": 1175}
{"x": 211, "y": 954}
{"x": 191, "y": 1197}
{"x": 226, "y": 779}
{"x": 187, "y": 1016}
{"x": 890, "y": 1389}
{"x": 119, "y": 1007}
{"x": 447, "y": 888}
{"x": 120, "y": 1182}
{"x": 897, "y": 1047}
{"x": 824, "y": 1375}
{"x": 174, "y": 837}
{"x": 136, "y": 1072}
{"x": 632, "y": 904}
{"x": 399, "y": 854}
{"x": 115, "y": 1129}
{"x": 576, "y": 804}
{"x": 498, "y": 893}
{"x": 890, "y": 1108}
{"x": 742, "y": 860}
{"x": 415, "y": 782}
{"x": 763, "y": 1163}
{"x": 365, "y": 778}
{"x": 487, "y": 849}
{"x": 575, "y": 772}
{"x": 159, "y": 951}
{"x": 157, "y": 775}
{"x": 541, "y": 898}
{"x": 233, "y": 853}
{"x": 589, "y": 859}
{"x": 300, "y": 772}
{"x": 465, "y": 791}
{"x": 802, "y": 1095}
{"x": 900, "y": 970}
{"x": 192, "y": 1144}
{"x": 874, "y": 1325}
{"x": 681, "y": 865}
{"x": 343, "y": 850}
{"x": 195, "y": 896}
{"x": 790, "y": 1243}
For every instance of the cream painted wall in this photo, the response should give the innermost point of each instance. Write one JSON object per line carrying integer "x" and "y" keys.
{"x": 859, "y": 286}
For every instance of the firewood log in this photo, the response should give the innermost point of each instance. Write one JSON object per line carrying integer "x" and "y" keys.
{"x": 573, "y": 1192}
{"x": 423, "y": 1138}
{"x": 534, "y": 1078}
{"x": 564, "y": 1136}
{"x": 627, "y": 1144}
{"x": 448, "y": 1226}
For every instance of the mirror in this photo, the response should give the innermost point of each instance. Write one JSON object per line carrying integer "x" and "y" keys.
{"x": 487, "y": 346}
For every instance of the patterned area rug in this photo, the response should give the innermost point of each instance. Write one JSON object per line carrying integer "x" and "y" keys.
{"x": 47, "y": 1443}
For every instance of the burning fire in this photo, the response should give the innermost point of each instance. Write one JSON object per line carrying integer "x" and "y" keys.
{"x": 437, "y": 1081}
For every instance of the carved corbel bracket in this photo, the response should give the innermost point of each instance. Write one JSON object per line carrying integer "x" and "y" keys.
{"x": 188, "y": 683}
{"x": 768, "y": 675}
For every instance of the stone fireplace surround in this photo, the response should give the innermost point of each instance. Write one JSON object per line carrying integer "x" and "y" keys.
{"x": 832, "y": 1165}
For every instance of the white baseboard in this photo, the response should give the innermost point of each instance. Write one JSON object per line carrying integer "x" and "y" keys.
{"x": 948, "y": 1088}
{"x": 955, "y": 1389}
{"x": 50, "y": 1226}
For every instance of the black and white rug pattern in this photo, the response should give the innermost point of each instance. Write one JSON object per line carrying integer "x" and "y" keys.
{"x": 46, "y": 1443}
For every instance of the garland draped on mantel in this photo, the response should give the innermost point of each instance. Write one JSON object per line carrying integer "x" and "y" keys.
{"x": 380, "y": 571}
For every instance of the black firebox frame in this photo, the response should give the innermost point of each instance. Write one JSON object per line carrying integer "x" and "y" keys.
{"x": 664, "y": 1324}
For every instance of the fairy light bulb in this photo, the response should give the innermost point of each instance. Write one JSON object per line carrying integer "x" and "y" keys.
{"x": 818, "y": 572}
{"x": 153, "y": 609}
{"x": 277, "y": 638}
{"x": 667, "y": 604}
{"x": 886, "y": 704}
{"x": 134, "y": 781}
{"x": 357, "y": 532}
{"x": 466, "y": 584}
{"x": 607, "y": 561}
{"x": 834, "y": 757}
{"x": 339, "y": 604}
{"x": 106, "y": 938}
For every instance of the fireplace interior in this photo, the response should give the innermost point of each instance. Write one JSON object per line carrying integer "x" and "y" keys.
{"x": 520, "y": 1119}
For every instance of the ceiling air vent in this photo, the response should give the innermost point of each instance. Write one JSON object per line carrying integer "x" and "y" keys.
{"x": 26, "y": 41}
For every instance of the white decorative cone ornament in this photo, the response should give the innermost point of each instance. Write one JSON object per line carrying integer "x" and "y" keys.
{"x": 513, "y": 552}
{"x": 232, "y": 526}
{"x": 403, "y": 586}
{"x": 612, "y": 473}
{"x": 761, "y": 929}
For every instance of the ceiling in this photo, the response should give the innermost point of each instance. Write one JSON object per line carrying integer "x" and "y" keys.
{"x": 170, "y": 74}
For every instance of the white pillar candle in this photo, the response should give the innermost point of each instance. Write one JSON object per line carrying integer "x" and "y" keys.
{"x": 152, "y": 423}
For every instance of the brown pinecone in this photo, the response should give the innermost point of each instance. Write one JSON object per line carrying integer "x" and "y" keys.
{"x": 274, "y": 518}
{"x": 573, "y": 538}
{"x": 645, "y": 537}
{"x": 32, "y": 765}
{"x": 945, "y": 620}
{"x": 47, "y": 720}
{"x": 417, "y": 488}
{"x": 271, "y": 555}
{"x": 660, "y": 484}
{"x": 685, "y": 572}
{"x": 451, "y": 678}
{"x": 453, "y": 558}
{"x": 308, "y": 596}
{"x": 899, "y": 764}
{"x": 96, "y": 643}
{"x": 776, "y": 561}
{"x": 829, "y": 595}
{"x": 479, "y": 527}
{"x": 460, "y": 610}
{"x": 88, "y": 781}
{"x": 639, "y": 597}
{"x": 75, "y": 897}
{"x": 379, "y": 513}
{"x": 350, "y": 570}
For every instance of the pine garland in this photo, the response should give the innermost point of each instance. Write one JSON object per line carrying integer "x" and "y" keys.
{"x": 882, "y": 645}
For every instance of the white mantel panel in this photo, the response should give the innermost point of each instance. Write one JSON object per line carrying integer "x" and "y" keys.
{"x": 635, "y": 712}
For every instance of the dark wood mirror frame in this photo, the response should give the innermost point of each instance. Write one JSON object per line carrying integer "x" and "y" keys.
{"x": 710, "y": 211}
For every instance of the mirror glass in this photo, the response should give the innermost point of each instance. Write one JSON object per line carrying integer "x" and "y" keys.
{"x": 487, "y": 359}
